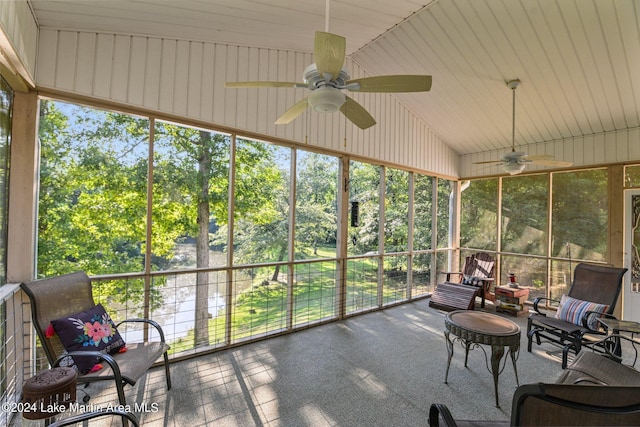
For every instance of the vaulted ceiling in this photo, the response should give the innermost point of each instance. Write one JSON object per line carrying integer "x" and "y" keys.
{"x": 578, "y": 60}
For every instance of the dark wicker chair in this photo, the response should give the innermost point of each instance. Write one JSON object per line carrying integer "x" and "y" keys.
{"x": 126, "y": 417}
{"x": 593, "y": 283}
{"x": 57, "y": 297}
{"x": 560, "y": 405}
{"x": 460, "y": 288}
{"x": 595, "y": 390}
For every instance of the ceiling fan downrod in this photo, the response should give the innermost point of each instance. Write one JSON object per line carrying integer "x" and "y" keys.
{"x": 326, "y": 16}
{"x": 513, "y": 85}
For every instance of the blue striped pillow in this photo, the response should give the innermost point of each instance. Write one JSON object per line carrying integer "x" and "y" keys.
{"x": 572, "y": 310}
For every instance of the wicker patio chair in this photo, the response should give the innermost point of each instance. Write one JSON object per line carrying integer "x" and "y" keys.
{"x": 560, "y": 405}
{"x": 126, "y": 417}
{"x": 593, "y": 286}
{"x": 62, "y": 296}
{"x": 460, "y": 288}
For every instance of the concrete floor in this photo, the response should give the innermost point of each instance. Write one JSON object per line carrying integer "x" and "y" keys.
{"x": 379, "y": 369}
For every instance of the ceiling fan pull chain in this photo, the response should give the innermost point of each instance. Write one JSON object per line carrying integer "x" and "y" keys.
{"x": 346, "y": 107}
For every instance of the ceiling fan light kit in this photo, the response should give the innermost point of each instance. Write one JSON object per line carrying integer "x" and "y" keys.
{"x": 513, "y": 168}
{"x": 326, "y": 99}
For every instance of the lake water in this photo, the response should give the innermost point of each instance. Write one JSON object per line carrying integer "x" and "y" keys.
{"x": 177, "y": 315}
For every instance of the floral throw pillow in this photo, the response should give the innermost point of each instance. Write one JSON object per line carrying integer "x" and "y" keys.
{"x": 573, "y": 310}
{"x": 89, "y": 330}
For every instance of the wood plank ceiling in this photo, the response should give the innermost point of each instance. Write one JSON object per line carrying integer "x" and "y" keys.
{"x": 578, "y": 60}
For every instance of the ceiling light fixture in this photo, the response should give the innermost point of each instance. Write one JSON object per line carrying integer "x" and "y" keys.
{"x": 326, "y": 99}
{"x": 513, "y": 168}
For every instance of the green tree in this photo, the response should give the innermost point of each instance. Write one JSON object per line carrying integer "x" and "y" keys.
{"x": 479, "y": 214}
{"x": 92, "y": 202}
{"x": 93, "y": 195}
{"x": 365, "y": 189}
{"x": 261, "y": 208}
{"x": 316, "y": 201}
{"x": 580, "y": 213}
{"x": 396, "y": 213}
{"x": 525, "y": 214}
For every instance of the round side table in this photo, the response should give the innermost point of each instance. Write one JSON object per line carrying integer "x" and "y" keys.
{"x": 48, "y": 393}
{"x": 476, "y": 328}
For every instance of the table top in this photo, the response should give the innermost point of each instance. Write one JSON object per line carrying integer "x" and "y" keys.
{"x": 621, "y": 325}
{"x": 483, "y": 328}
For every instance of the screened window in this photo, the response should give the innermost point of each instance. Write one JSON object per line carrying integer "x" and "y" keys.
{"x": 261, "y": 209}
{"x": 93, "y": 185}
{"x": 423, "y": 212}
{"x": 632, "y": 176}
{"x": 446, "y": 200}
{"x": 364, "y": 181}
{"x": 396, "y": 212}
{"x": 316, "y": 205}
{"x": 579, "y": 217}
{"x": 6, "y": 104}
{"x": 479, "y": 214}
{"x": 226, "y": 238}
{"x": 525, "y": 214}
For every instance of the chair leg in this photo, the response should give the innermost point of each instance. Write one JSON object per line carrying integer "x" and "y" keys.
{"x": 120, "y": 389}
{"x": 565, "y": 355}
{"x": 576, "y": 346}
{"x": 166, "y": 370}
{"x": 531, "y": 331}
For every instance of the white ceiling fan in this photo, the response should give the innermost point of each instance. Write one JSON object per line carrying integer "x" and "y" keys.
{"x": 327, "y": 78}
{"x": 514, "y": 162}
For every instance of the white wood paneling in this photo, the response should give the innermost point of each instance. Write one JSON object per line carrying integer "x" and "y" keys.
{"x": 186, "y": 78}
{"x": 120, "y": 74}
{"x": 578, "y": 60}
{"x": 103, "y": 65}
{"x": 18, "y": 39}
{"x": 622, "y": 146}
{"x": 86, "y": 49}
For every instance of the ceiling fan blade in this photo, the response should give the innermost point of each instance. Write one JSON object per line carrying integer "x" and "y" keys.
{"x": 293, "y": 112}
{"x": 263, "y": 84}
{"x": 497, "y": 162}
{"x": 556, "y": 163}
{"x": 399, "y": 83}
{"x": 329, "y": 51}
{"x": 357, "y": 114}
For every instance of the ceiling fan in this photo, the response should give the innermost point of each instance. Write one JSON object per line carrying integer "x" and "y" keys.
{"x": 514, "y": 162}
{"x": 327, "y": 78}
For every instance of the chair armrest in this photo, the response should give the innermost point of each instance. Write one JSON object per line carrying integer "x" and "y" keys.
{"x": 608, "y": 316}
{"x": 439, "y": 411}
{"x": 95, "y": 414}
{"x": 588, "y": 380}
{"x": 585, "y": 321}
{"x": 448, "y": 274}
{"x": 538, "y": 300}
{"x": 153, "y": 323}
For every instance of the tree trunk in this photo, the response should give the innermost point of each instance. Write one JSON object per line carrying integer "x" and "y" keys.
{"x": 276, "y": 273}
{"x": 202, "y": 245}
